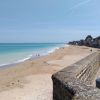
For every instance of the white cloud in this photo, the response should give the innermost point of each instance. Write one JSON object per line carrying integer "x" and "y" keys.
{"x": 78, "y": 5}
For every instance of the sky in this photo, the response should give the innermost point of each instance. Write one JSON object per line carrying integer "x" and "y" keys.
{"x": 48, "y": 20}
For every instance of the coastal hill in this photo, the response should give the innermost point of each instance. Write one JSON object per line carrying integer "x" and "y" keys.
{"x": 88, "y": 41}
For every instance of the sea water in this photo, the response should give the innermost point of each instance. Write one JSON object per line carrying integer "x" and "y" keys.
{"x": 11, "y": 53}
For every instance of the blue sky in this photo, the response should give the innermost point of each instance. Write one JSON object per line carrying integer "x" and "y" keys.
{"x": 48, "y": 20}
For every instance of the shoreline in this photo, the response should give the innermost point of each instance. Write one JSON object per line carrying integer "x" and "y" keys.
{"x": 19, "y": 62}
{"x": 32, "y": 79}
{"x": 32, "y": 57}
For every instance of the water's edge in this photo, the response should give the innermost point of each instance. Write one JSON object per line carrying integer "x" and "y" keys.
{"x": 31, "y": 57}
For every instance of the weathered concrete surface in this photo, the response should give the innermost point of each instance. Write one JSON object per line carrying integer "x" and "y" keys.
{"x": 73, "y": 82}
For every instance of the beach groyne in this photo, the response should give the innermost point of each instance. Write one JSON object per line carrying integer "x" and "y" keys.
{"x": 75, "y": 82}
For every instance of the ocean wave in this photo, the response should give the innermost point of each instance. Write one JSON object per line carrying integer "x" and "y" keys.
{"x": 56, "y": 48}
{"x": 24, "y": 59}
{"x": 16, "y": 62}
{"x": 33, "y": 56}
{"x": 53, "y": 50}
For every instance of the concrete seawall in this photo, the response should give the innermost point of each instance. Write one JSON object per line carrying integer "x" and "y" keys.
{"x": 75, "y": 82}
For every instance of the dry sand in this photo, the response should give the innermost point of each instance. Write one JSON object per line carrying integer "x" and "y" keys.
{"x": 31, "y": 80}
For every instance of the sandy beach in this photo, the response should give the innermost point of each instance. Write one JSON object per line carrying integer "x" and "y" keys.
{"x": 31, "y": 80}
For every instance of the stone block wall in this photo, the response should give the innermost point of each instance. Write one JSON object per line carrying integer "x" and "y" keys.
{"x": 74, "y": 82}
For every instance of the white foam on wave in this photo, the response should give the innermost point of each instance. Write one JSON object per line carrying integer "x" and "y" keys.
{"x": 24, "y": 59}
{"x": 56, "y": 48}
{"x": 34, "y": 56}
{"x": 53, "y": 50}
{"x": 16, "y": 62}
